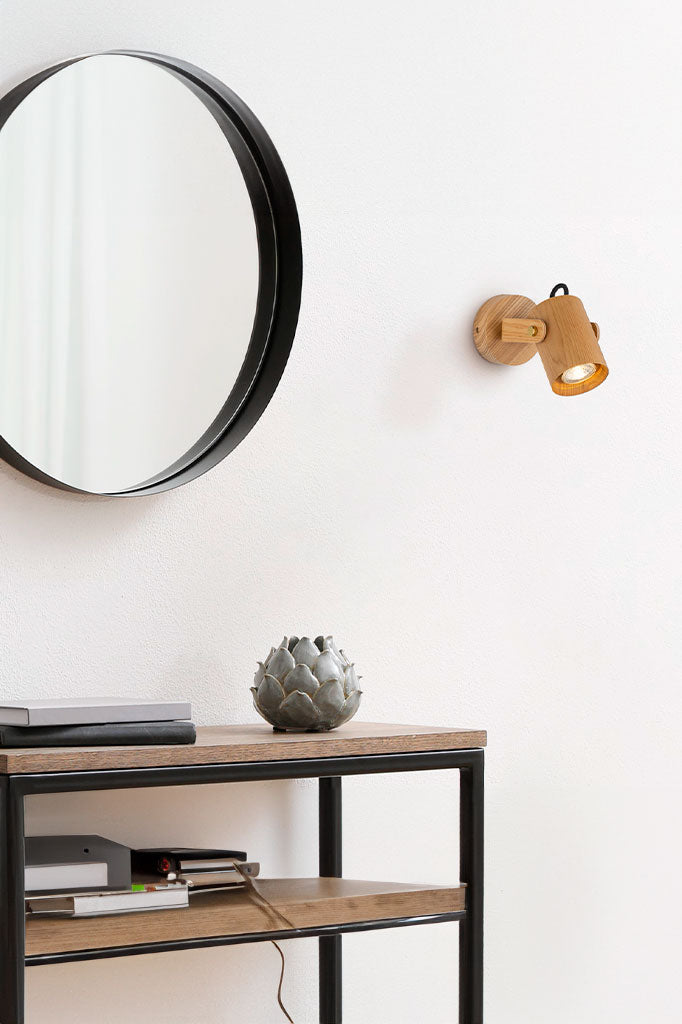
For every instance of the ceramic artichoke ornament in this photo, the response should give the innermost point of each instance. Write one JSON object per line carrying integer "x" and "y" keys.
{"x": 306, "y": 685}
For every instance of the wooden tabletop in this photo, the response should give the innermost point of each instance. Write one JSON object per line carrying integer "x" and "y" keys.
{"x": 229, "y": 744}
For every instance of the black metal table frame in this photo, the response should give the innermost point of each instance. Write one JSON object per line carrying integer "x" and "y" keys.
{"x": 329, "y": 770}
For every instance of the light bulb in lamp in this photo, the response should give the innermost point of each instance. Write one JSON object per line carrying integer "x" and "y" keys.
{"x": 577, "y": 374}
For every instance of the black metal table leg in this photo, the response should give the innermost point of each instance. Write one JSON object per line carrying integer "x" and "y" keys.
{"x": 471, "y": 872}
{"x": 11, "y": 903}
{"x": 330, "y": 867}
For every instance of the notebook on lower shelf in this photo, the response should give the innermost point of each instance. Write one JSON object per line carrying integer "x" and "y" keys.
{"x": 142, "y": 896}
{"x": 219, "y": 879}
{"x": 162, "y": 896}
{"x": 165, "y": 860}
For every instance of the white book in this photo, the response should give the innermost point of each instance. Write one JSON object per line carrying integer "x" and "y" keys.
{"x": 62, "y": 877}
{"x": 160, "y": 897}
{"x": 92, "y": 711}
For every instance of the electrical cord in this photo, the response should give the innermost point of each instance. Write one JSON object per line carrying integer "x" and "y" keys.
{"x": 281, "y": 982}
{"x": 265, "y": 904}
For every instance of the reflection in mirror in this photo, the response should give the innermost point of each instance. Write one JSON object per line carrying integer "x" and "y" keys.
{"x": 129, "y": 273}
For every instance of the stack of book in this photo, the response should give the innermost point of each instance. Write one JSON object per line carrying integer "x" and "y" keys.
{"x": 87, "y": 876}
{"x": 198, "y": 869}
{"x": 112, "y": 721}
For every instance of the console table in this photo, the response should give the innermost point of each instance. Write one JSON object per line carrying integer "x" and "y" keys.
{"x": 326, "y": 906}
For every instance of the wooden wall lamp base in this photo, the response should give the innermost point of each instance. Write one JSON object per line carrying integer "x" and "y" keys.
{"x": 510, "y": 329}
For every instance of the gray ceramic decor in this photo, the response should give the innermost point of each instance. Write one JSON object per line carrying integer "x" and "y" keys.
{"x": 306, "y": 685}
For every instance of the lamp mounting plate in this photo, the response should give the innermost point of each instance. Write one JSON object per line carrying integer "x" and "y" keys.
{"x": 488, "y": 329}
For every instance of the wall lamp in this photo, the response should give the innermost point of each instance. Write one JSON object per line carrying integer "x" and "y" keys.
{"x": 510, "y": 329}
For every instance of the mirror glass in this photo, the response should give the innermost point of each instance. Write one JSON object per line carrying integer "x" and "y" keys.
{"x": 129, "y": 273}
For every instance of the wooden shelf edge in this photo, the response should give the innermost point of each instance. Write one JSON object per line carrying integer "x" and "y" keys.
{"x": 240, "y": 744}
{"x": 145, "y": 948}
{"x": 313, "y": 906}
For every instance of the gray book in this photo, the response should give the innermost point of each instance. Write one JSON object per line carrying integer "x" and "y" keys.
{"x": 72, "y": 862}
{"x": 92, "y": 711}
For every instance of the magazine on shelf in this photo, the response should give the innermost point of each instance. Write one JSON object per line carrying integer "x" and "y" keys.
{"x": 161, "y": 896}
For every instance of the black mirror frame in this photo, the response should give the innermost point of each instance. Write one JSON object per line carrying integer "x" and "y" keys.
{"x": 280, "y": 279}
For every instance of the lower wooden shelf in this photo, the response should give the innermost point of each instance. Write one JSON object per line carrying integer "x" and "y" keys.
{"x": 308, "y": 904}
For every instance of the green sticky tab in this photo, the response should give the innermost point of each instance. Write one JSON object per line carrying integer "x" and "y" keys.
{"x": 137, "y": 888}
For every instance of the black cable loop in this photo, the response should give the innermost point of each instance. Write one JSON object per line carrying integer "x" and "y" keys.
{"x": 556, "y": 288}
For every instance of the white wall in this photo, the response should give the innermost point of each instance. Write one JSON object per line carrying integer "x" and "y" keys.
{"x": 491, "y": 554}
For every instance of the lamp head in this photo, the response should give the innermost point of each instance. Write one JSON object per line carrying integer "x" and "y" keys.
{"x": 510, "y": 329}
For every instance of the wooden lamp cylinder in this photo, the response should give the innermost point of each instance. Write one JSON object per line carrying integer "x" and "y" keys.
{"x": 570, "y": 340}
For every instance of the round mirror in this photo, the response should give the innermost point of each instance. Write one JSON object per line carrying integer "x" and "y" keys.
{"x": 150, "y": 273}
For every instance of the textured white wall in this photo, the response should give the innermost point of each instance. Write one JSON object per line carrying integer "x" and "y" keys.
{"x": 490, "y": 554}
